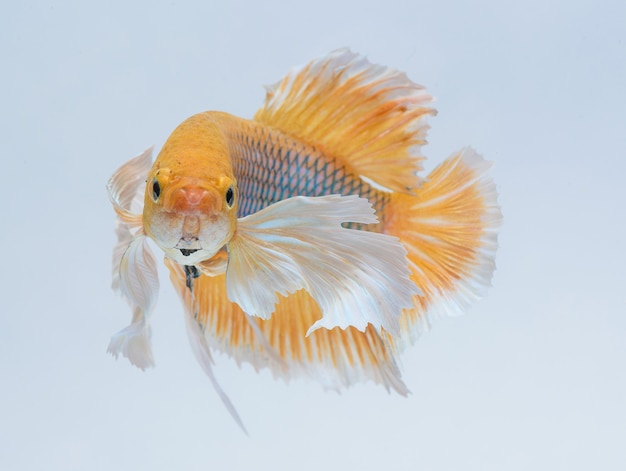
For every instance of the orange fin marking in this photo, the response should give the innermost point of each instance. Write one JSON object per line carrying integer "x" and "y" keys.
{"x": 450, "y": 232}
{"x": 337, "y": 357}
{"x": 369, "y": 116}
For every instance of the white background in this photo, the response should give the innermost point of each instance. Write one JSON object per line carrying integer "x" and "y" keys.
{"x": 533, "y": 377}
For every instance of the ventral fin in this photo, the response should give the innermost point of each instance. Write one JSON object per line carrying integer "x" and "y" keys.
{"x": 337, "y": 358}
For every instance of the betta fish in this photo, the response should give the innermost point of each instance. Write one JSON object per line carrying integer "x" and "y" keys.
{"x": 304, "y": 240}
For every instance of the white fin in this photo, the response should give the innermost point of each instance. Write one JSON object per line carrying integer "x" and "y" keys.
{"x": 201, "y": 350}
{"x": 134, "y": 266}
{"x": 125, "y": 189}
{"x": 139, "y": 284}
{"x": 356, "y": 277}
{"x": 126, "y": 186}
{"x": 196, "y": 335}
{"x": 133, "y": 342}
{"x": 124, "y": 238}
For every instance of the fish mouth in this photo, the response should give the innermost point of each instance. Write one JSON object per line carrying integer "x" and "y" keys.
{"x": 188, "y": 242}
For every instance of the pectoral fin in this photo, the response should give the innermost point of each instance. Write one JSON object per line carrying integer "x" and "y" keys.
{"x": 138, "y": 282}
{"x": 134, "y": 266}
{"x": 125, "y": 188}
{"x": 356, "y": 277}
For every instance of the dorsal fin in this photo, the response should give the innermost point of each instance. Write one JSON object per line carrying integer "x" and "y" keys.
{"x": 369, "y": 116}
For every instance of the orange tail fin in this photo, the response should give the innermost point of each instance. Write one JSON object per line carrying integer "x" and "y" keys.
{"x": 450, "y": 232}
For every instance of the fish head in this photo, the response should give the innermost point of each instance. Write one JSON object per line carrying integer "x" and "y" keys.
{"x": 190, "y": 202}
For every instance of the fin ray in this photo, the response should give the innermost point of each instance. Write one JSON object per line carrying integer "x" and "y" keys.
{"x": 357, "y": 277}
{"x": 369, "y": 116}
{"x": 134, "y": 266}
{"x": 335, "y": 357}
{"x": 125, "y": 188}
{"x": 139, "y": 284}
{"x": 450, "y": 232}
{"x": 202, "y": 352}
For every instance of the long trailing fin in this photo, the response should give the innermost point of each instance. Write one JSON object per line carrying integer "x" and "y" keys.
{"x": 371, "y": 117}
{"x": 337, "y": 358}
{"x": 450, "y": 232}
{"x": 139, "y": 284}
{"x": 356, "y": 277}
{"x": 202, "y": 352}
{"x": 197, "y": 339}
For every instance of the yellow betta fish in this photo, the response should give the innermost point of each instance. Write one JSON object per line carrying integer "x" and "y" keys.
{"x": 303, "y": 240}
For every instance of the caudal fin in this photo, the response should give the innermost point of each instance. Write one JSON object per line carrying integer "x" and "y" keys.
{"x": 450, "y": 232}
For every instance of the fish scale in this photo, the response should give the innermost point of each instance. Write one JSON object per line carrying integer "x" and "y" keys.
{"x": 270, "y": 167}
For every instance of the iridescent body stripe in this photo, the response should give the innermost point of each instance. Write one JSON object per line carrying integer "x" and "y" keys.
{"x": 270, "y": 167}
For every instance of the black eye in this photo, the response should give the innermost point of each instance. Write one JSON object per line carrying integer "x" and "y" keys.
{"x": 230, "y": 197}
{"x": 156, "y": 190}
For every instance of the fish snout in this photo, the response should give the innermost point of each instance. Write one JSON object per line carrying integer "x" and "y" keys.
{"x": 195, "y": 199}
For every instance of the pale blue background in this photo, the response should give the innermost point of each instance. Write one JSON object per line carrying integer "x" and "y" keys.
{"x": 534, "y": 377}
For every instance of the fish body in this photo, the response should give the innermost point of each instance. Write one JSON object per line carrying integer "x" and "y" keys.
{"x": 304, "y": 240}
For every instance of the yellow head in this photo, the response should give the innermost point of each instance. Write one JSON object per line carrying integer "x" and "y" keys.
{"x": 190, "y": 204}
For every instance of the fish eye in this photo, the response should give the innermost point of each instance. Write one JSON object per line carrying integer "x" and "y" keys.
{"x": 156, "y": 190}
{"x": 230, "y": 196}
